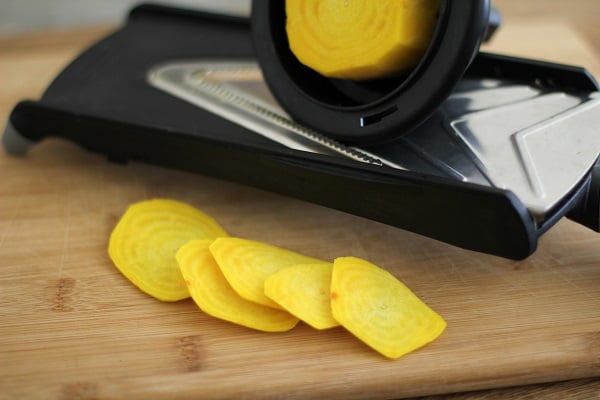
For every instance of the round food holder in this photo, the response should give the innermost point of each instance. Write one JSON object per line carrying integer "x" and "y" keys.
{"x": 376, "y": 110}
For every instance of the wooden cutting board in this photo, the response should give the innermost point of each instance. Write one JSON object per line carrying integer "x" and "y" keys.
{"x": 72, "y": 327}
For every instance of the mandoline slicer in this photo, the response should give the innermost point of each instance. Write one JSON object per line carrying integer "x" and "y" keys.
{"x": 500, "y": 152}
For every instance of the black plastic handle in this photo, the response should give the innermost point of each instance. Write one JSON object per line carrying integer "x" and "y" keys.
{"x": 587, "y": 210}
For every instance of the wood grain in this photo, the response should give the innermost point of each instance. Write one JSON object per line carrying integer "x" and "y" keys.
{"x": 565, "y": 390}
{"x": 72, "y": 327}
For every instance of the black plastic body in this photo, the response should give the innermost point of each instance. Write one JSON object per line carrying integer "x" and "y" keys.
{"x": 377, "y": 110}
{"x": 103, "y": 102}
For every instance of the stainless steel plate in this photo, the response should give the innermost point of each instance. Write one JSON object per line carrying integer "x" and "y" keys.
{"x": 535, "y": 142}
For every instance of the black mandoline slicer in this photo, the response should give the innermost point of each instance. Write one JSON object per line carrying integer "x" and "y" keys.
{"x": 487, "y": 158}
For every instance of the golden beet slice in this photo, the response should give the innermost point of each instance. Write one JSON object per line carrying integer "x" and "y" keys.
{"x": 144, "y": 242}
{"x": 379, "y": 309}
{"x": 213, "y": 294}
{"x": 360, "y": 39}
{"x": 247, "y": 264}
{"x": 304, "y": 290}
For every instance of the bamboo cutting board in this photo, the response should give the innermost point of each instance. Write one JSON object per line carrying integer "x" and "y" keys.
{"x": 72, "y": 327}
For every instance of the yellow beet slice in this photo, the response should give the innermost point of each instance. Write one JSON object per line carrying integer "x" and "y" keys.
{"x": 379, "y": 309}
{"x": 213, "y": 294}
{"x": 304, "y": 290}
{"x": 144, "y": 242}
{"x": 247, "y": 264}
{"x": 360, "y": 39}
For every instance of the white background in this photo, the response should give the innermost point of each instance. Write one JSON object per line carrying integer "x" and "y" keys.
{"x": 23, "y": 16}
